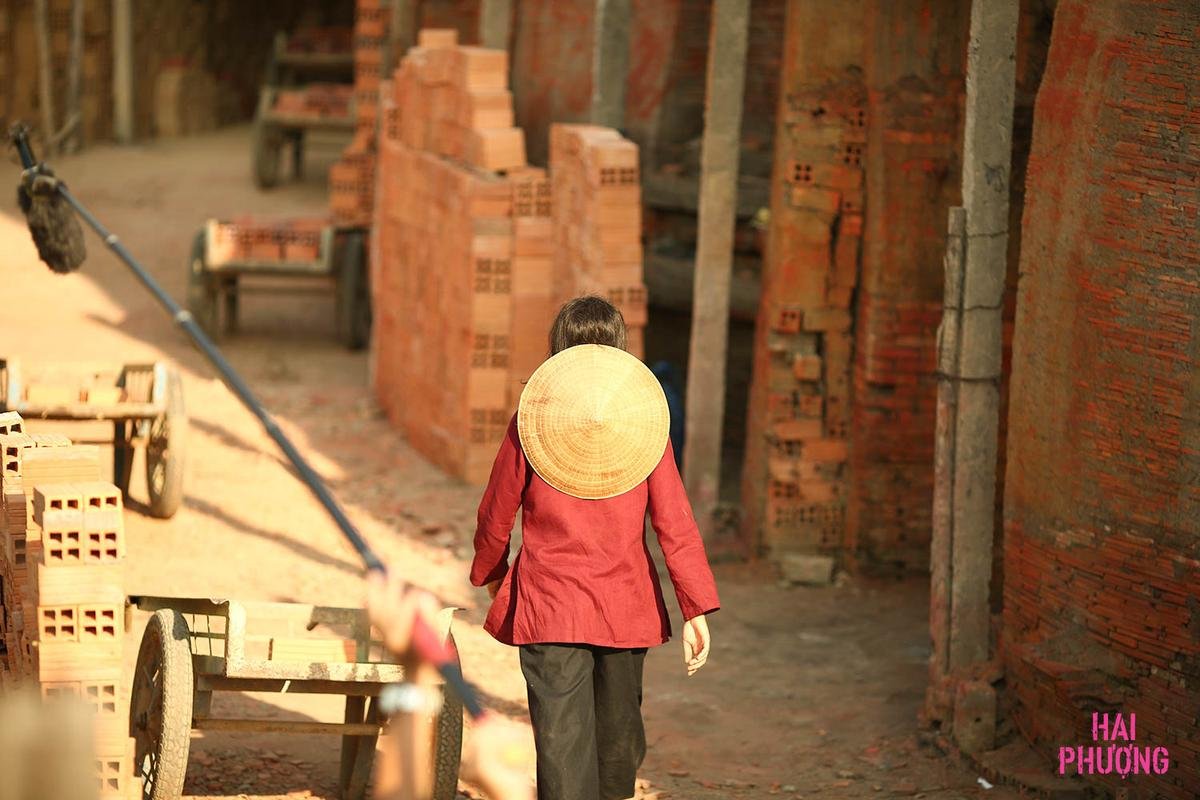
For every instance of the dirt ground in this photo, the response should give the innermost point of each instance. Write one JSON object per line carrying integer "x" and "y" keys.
{"x": 809, "y": 692}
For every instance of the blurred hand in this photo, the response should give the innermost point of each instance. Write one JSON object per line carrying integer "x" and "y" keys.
{"x": 392, "y": 607}
{"x": 696, "y": 643}
{"x": 498, "y": 759}
{"x": 494, "y": 587}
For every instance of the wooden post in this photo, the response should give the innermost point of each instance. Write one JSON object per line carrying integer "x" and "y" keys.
{"x": 610, "y": 62}
{"x": 73, "y": 127}
{"x": 123, "y": 71}
{"x": 495, "y": 23}
{"x": 969, "y": 362}
{"x": 719, "y": 156}
{"x": 45, "y": 75}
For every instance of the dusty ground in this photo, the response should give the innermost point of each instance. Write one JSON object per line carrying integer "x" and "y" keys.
{"x": 809, "y": 692}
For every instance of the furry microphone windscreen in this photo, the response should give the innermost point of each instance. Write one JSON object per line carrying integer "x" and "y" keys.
{"x": 55, "y": 228}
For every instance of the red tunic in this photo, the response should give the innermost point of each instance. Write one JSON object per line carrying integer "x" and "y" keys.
{"x": 584, "y": 572}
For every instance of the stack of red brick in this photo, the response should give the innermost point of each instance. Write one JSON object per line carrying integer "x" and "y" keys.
{"x": 534, "y": 301}
{"x": 250, "y": 238}
{"x": 465, "y": 109}
{"x": 467, "y": 270}
{"x": 352, "y": 178}
{"x": 61, "y": 573}
{"x": 442, "y": 280}
{"x": 795, "y": 481}
{"x": 598, "y": 221}
{"x": 316, "y": 100}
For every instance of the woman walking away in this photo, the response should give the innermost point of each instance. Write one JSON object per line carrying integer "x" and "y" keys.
{"x": 584, "y": 459}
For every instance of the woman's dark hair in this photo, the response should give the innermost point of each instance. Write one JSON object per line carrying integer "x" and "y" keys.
{"x": 587, "y": 320}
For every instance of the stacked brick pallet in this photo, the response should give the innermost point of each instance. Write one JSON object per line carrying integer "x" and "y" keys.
{"x": 534, "y": 302}
{"x": 466, "y": 110}
{"x": 598, "y": 221}
{"x": 61, "y": 598}
{"x": 320, "y": 100}
{"x": 249, "y": 238}
{"x": 467, "y": 267}
{"x": 352, "y": 178}
{"x": 443, "y": 276}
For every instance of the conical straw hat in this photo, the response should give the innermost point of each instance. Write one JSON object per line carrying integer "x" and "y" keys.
{"x": 593, "y": 421}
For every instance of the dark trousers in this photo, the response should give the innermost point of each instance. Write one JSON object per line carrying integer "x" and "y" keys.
{"x": 586, "y": 707}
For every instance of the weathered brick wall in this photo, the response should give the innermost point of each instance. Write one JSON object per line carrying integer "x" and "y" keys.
{"x": 914, "y": 59}
{"x": 793, "y": 482}
{"x": 665, "y": 89}
{"x": 1102, "y": 499}
{"x": 1033, "y": 43}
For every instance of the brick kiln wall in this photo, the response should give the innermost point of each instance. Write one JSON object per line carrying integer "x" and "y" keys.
{"x": 1102, "y": 499}
{"x": 665, "y": 88}
{"x": 914, "y": 72}
{"x": 793, "y": 489}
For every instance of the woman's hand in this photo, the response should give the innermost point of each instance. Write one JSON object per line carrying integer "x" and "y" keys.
{"x": 494, "y": 587}
{"x": 696, "y": 643}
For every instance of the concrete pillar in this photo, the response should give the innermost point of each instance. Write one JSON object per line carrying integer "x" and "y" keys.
{"x": 610, "y": 62}
{"x": 122, "y": 71}
{"x": 495, "y": 23}
{"x": 969, "y": 354}
{"x": 719, "y": 156}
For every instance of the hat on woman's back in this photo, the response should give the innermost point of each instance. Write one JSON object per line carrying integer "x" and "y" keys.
{"x": 593, "y": 421}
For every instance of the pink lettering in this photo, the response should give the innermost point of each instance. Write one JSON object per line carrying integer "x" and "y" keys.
{"x": 1066, "y": 755}
{"x": 1119, "y": 731}
{"x": 1087, "y": 760}
{"x": 1162, "y": 761}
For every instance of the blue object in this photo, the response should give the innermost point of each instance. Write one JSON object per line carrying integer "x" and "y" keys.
{"x": 668, "y": 377}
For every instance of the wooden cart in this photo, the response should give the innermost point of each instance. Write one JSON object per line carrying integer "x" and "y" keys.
{"x": 273, "y": 128}
{"x": 332, "y": 259}
{"x": 144, "y": 402}
{"x": 194, "y": 647}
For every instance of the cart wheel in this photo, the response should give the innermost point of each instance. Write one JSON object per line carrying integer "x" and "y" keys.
{"x": 447, "y": 745}
{"x": 353, "y": 294}
{"x": 268, "y": 145}
{"x": 166, "y": 453}
{"x": 122, "y": 456}
{"x": 202, "y": 292}
{"x": 160, "y": 707}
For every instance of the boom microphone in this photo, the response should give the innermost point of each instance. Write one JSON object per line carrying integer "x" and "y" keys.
{"x": 55, "y": 229}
